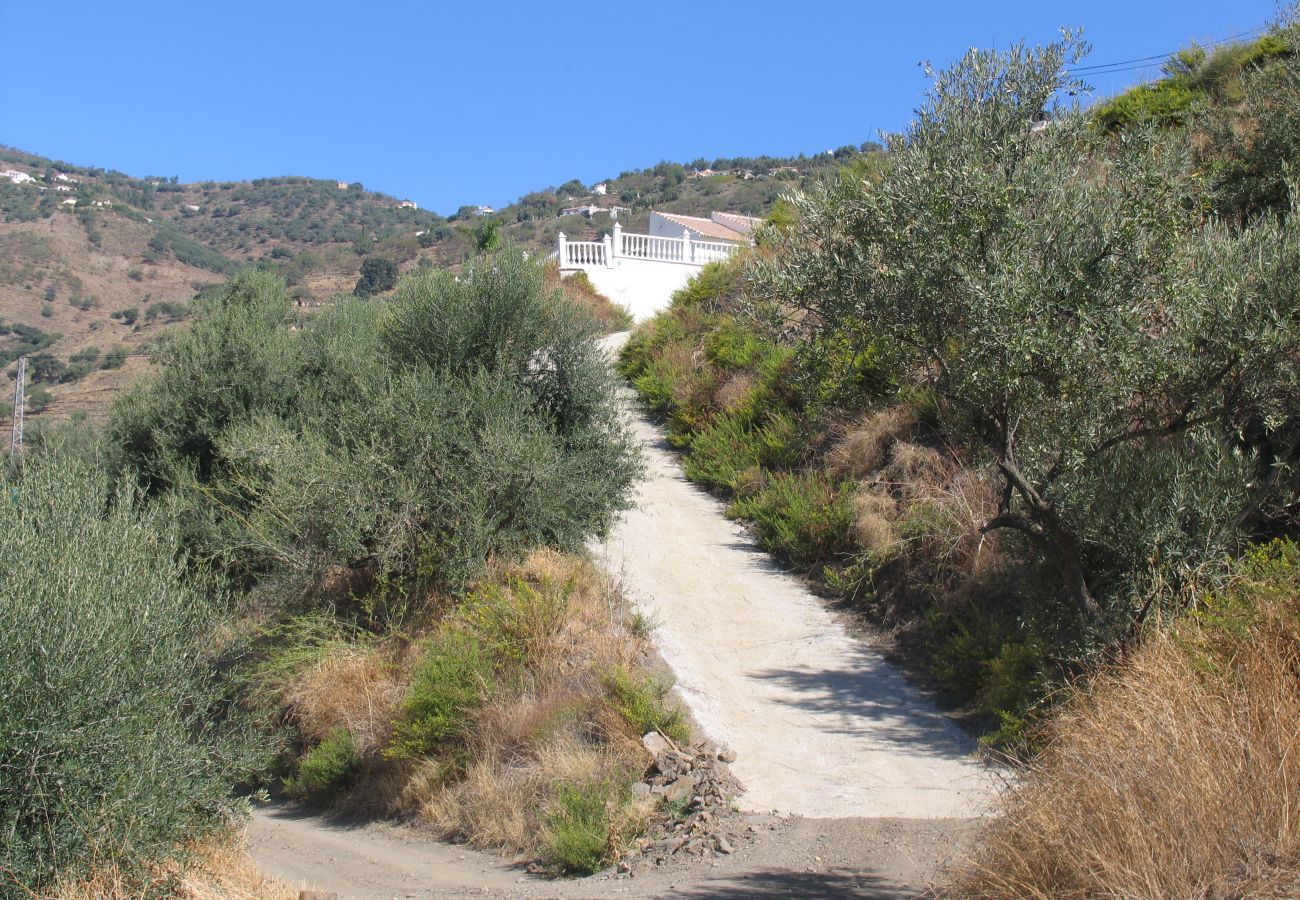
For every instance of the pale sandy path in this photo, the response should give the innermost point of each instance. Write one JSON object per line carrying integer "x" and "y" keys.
{"x": 822, "y": 725}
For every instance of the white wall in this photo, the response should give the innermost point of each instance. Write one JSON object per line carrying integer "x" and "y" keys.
{"x": 644, "y": 287}
{"x": 661, "y": 227}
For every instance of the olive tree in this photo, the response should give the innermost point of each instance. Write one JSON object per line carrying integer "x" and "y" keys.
{"x": 1083, "y": 331}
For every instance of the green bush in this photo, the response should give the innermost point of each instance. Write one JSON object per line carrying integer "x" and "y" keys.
{"x": 1163, "y": 102}
{"x": 806, "y": 519}
{"x": 585, "y": 822}
{"x": 715, "y": 282}
{"x": 117, "y": 744}
{"x": 645, "y": 705}
{"x": 724, "y": 452}
{"x": 472, "y": 415}
{"x": 452, "y": 679}
{"x": 330, "y": 766}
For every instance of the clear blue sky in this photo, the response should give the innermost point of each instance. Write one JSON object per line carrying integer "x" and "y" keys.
{"x": 478, "y": 102}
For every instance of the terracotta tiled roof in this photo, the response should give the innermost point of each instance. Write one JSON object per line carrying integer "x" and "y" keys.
{"x": 707, "y": 228}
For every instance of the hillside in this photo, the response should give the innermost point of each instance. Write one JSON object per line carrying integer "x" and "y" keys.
{"x": 94, "y": 264}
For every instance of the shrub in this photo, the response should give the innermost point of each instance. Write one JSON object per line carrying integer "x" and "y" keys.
{"x": 806, "y": 519}
{"x": 472, "y": 397}
{"x": 643, "y": 704}
{"x": 709, "y": 289}
{"x": 114, "y": 358}
{"x": 116, "y": 743}
{"x": 378, "y": 275}
{"x": 587, "y": 824}
{"x": 1165, "y": 776}
{"x": 452, "y": 679}
{"x": 330, "y": 766}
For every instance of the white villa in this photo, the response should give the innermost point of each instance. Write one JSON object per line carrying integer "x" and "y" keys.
{"x": 641, "y": 271}
{"x": 729, "y": 227}
{"x": 15, "y": 176}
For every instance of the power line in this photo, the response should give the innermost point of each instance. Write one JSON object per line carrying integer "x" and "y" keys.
{"x": 1099, "y": 67}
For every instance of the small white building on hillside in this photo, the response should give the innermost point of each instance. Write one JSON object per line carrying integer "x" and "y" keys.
{"x": 407, "y": 204}
{"x": 15, "y": 176}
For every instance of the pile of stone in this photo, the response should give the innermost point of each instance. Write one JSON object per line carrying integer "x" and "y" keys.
{"x": 694, "y": 785}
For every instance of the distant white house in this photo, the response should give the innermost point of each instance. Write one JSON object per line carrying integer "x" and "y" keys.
{"x": 190, "y": 207}
{"x": 102, "y": 203}
{"x": 407, "y": 204}
{"x": 591, "y": 209}
{"x": 731, "y": 228}
{"x": 71, "y": 201}
{"x": 342, "y": 185}
{"x": 59, "y": 176}
{"x": 484, "y": 211}
{"x": 588, "y": 211}
{"x": 15, "y": 176}
{"x": 600, "y": 190}
{"x": 63, "y": 188}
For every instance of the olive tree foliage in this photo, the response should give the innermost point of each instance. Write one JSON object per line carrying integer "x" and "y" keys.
{"x": 471, "y": 415}
{"x": 1082, "y": 330}
{"x": 117, "y": 744}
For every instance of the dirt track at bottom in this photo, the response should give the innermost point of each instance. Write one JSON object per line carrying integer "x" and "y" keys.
{"x": 853, "y": 858}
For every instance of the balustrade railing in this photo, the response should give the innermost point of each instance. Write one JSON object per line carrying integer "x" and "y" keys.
{"x": 575, "y": 254}
{"x": 579, "y": 254}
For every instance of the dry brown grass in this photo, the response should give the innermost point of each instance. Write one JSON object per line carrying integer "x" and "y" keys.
{"x": 1176, "y": 774}
{"x": 503, "y": 802}
{"x": 578, "y": 288}
{"x": 865, "y": 446}
{"x": 220, "y": 869}
{"x": 357, "y": 688}
{"x": 555, "y": 731}
{"x": 548, "y": 723}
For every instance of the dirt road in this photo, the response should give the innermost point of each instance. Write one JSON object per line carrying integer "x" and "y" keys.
{"x": 823, "y": 726}
{"x": 854, "y": 858}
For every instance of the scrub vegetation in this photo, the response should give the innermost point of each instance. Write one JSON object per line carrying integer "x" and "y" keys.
{"x": 342, "y": 559}
{"x": 1026, "y": 396}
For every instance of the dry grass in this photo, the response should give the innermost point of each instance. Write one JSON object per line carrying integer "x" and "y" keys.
{"x": 864, "y": 447}
{"x": 1176, "y": 774}
{"x": 504, "y": 802}
{"x": 578, "y": 288}
{"x": 555, "y": 731}
{"x": 356, "y": 688}
{"x": 217, "y": 870}
{"x": 549, "y": 722}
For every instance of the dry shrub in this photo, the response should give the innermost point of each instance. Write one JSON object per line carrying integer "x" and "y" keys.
{"x": 734, "y": 391}
{"x": 355, "y": 688}
{"x": 915, "y": 470}
{"x": 220, "y": 869}
{"x": 865, "y": 446}
{"x": 1176, "y": 774}
{"x": 587, "y": 640}
{"x": 577, "y": 287}
{"x": 873, "y": 515}
{"x": 554, "y": 728}
{"x": 504, "y": 803}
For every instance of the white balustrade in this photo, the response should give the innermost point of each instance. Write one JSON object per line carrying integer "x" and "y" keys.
{"x": 605, "y": 252}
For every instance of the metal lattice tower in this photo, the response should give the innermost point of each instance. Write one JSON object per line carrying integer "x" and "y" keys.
{"x": 20, "y": 400}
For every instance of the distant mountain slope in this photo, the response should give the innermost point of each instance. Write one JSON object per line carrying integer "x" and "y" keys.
{"x": 94, "y": 263}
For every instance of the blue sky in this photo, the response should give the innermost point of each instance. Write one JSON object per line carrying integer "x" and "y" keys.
{"x": 454, "y": 103}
